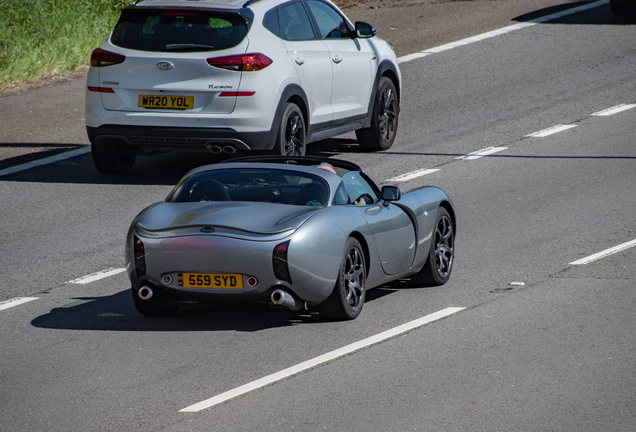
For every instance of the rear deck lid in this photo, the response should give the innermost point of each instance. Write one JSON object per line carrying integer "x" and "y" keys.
{"x": 255, "y": 218}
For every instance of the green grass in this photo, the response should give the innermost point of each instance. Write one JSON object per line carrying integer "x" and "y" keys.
{"x": 41, "y": 37}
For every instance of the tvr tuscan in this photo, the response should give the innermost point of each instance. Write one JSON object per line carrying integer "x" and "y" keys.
{"x": 293, "y": 231}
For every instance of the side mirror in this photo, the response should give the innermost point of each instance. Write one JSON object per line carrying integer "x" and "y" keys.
{"x": 364, "y": 30}
{"x": 391, "y": 193}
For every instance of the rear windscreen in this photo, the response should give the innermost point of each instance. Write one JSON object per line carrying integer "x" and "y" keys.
{"x": 178, "y": 31}
{"x": 264, "y": 185}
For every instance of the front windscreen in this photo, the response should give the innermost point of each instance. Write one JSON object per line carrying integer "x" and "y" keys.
{"x": 264, "y": 185}
{"x": 192, "y": 30}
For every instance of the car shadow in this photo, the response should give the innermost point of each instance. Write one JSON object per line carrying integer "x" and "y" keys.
{"x": 161, "y": 169}
{"x": 601, "y": 15}
{"x": 117, "y": 313}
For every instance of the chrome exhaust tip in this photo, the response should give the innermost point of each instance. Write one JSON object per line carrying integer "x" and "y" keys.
{"x": 229, "y": 149}
{"x": 215, "y": 149}
{"x": 145, "y": 293}
{"x": 282, "y": 299}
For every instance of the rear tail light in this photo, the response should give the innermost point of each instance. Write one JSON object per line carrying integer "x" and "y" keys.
{"x": 279, "y": 260}
{"x": 140, "y": 257}
{"x": 101, "y": 89}
{"x": 236, "y": 94}
{"x": 242, "y": 63}
{"x": 101, "y": 58}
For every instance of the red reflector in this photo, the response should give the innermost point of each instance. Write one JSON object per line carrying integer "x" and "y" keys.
{"x": 101, "y": 58}
{"x": 236, "y": 94}
{"x": 252, "y": 281}
{"x": 242, "y": 63}
{"x": 101, "y": 89}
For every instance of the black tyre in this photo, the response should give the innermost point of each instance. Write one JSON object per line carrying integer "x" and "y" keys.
{"x": 292, "y": 134}
{"x": 439, "y": 263}
{"x": 384, "y": 122}
{"x": 145, "y": 307}
{"x": 623, "y": 8}
{"x": 110, "y": 160}
{"x": 347, "y": 298}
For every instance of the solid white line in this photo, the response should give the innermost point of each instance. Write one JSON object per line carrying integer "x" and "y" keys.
{"x": 45, "y": 161}
{"x": 605, "y": 253}
{"x": 412, "y": 175}
{"x": 285, "y": 373}
{"x": 481, "y": 153}
{"x": 613, "y": 110}
{"x": 550, "y": 131}
{"x": 499, "y": 32}
{"x": 15, "y": 302}
{"x": 97, "y": 276}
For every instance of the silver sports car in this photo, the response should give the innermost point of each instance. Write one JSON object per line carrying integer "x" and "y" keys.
{"x": 293, "y": 231}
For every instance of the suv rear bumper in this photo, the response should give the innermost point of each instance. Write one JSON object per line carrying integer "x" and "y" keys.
{"x": 138, "y": 139}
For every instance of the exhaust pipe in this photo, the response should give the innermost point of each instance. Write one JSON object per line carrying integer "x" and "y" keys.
{"x": 229, "y": 149}
{"x": 215, "y": 149}
{"x": 282, "y": 299}
{"x": 145, "y": 293}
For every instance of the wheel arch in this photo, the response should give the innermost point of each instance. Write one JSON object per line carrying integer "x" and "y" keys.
{"x": 385, "y": 69}
{"x": 449, "y": 208}
{"x": 392, "y": 75}
{"x": 292, "y": 93}
{"x": 365, "y": 249}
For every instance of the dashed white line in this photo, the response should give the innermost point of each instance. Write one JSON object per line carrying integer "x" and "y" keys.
{"x": 550, "y": 131}
{"x": 613, "y": 110}
{"x": 499, "y": 32}
{"x": 481, "y": 153}
{"x": 97, "y": 276}
{"x": 356, "y": 346}
{"x": 605, "y": 253}
{"x": 45, "y": 161}
{"x": 412, "y": 175}
{"x": 15, "y": 302}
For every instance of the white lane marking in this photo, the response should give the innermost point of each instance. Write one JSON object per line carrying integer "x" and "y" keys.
{"x": 481, "y": 153}
{"x": 409, "y": 57}
{"x": 340, "y": 352}
{"x": 613, "y": 110}
{"x": 550, "y": 131}
{"x": 97, "y": 276}
{"x": 15, "y": 302}
{"x": 412, "y": 175}
{"x": 605, "y": 253}
{"x": 500, "y": 31}
{"x": 45, "y": 161}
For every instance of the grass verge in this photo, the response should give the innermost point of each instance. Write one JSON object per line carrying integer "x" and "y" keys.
{"x": 43, "y": 37}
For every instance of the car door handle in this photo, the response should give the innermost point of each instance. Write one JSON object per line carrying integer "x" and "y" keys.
{"x": 337, "y": 59}
{"x": 299, "y": 61}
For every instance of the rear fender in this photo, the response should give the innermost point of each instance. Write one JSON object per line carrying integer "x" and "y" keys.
{"x": 317, "y": 247}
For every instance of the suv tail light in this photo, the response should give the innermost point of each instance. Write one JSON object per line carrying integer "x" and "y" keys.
{"x": 101, "y": 58}
{"x": 242, "y": 63}
{"x": 140, "y": 257}
{"x": 279, "y": 260}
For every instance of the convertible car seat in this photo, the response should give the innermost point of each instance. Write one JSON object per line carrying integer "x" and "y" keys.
{"x": 209, "y": 190}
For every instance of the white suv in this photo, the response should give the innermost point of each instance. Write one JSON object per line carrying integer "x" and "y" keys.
{"x": 230, "y": 75}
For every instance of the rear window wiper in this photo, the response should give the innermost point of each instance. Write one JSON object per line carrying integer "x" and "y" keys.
{"x": 182, "y": 47}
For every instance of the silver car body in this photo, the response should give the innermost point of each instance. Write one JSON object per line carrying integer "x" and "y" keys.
{"x": 238, "y": 238}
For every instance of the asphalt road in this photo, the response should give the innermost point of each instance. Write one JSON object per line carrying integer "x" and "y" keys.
{"x": 537, "y": 344}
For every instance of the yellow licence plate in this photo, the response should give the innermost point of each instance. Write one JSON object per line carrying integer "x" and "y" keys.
{"x": 166, "y": 102}
{"x": 207, "y": 280}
